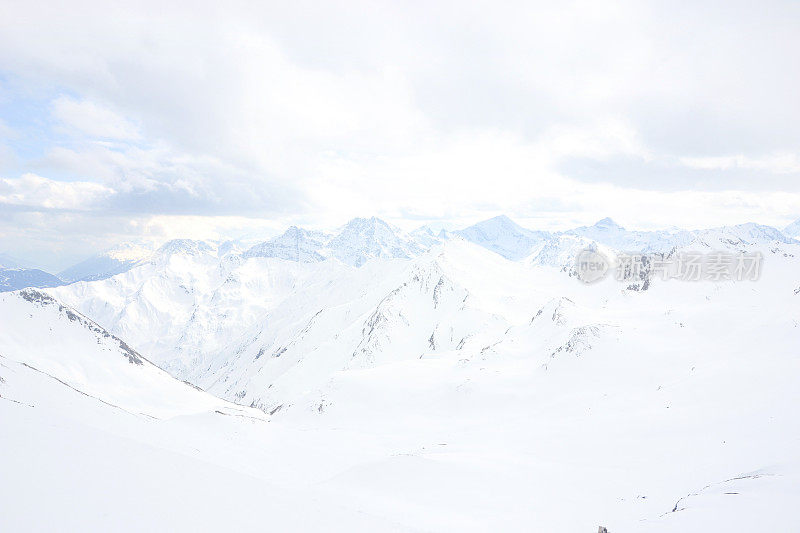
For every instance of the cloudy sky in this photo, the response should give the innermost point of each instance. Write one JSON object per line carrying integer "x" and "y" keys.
{"x": 156, "y": 120}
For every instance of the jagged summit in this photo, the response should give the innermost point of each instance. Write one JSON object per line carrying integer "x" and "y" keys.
{"x": 184, "y": 246}
{"x": 362, "y": 239}
{"x": 426, "y": 236}
{"x": 295, "y": 244}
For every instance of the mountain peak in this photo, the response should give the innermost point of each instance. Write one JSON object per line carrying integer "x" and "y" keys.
{"x": 607, "y": 223}
{"x": 502, "y": 235}
{"x": 371, "y": 222}
{"x": 499, "y": 220}
{"x": 293, "y": 230}
{"x": 364, "y": 238}
{"x": 294, "y": 244}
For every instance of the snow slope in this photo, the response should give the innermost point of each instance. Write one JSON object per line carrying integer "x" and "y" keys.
{"x": 94, "y": 437}
{"x": 47, "y": 337}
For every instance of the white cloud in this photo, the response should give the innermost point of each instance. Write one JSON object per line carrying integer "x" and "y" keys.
{"x": 785, "y": 163}
{"x": 93, "y": 120}
{"x": 37, "y": 192}
{"x": 283, "y": 112}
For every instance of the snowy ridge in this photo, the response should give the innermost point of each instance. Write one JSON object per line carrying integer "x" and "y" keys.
{"x": 81, "y": 355}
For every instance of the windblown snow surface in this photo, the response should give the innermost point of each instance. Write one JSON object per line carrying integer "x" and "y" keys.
{"x": 451, "y": 390}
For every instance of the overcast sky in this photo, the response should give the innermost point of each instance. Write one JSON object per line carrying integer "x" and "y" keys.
{"x": 236, "y": 119}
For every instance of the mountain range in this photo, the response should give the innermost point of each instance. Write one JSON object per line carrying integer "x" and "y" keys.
{"x": 362, "y": 239}
{"x": 370, "y": 379}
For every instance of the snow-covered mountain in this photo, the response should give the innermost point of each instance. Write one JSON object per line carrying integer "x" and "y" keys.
{"x": 504, "y": 236}
{"x": 354, "y": 244}
{"x": 16, "y": 274}
{"x": 404, "y": 384}
{"x": 95, "y": 437}
{"x": 183, "y": 247}
{"x": 425, "y": 236}
{"x": 425, "y": 367}
{"x": 190, "y": 306}
{"x": 749, "y": 233}
{"x": 219, "y": 323}
{"x": 129, "y": 255}
{"x": 12, "y": 279}
{"x": 382, "y": 312}
{"x": 78, "y": 353}
{"x": 109, "y": 263}
{"x": 295, "y": 244}
{"x": 363, "y": 239}
{"x": 560, "y": 251}
{"x": 611, "y": 234}
{"x": 245, "y": 328}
